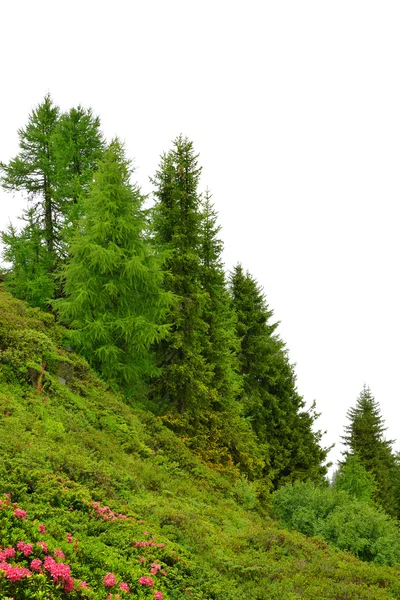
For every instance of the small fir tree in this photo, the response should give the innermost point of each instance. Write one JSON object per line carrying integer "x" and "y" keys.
{"x": 114, "y": 299}
{"x": 364, "y": 437}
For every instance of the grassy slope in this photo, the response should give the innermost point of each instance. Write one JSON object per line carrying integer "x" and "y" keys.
{"x": 64, "y": 446}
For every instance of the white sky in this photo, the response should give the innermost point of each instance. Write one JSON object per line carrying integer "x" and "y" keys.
{"x": 294, "y": 107}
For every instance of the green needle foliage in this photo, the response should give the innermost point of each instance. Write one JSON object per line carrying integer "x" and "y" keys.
{"x": 186, "y": 374}
{"x": 270, "y": 398}
{"x": 114, "y": 299}
{"x": 57, "y": 158}
{"x": 364, "y": 437}
{"x": 33, "y": 169}
{"x": 221, "y": 343}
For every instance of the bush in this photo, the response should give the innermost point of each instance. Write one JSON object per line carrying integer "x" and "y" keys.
{"x": 357, "y": 526}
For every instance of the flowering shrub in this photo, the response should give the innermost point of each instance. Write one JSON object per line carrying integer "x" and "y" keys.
{"x": 49, "y": 568}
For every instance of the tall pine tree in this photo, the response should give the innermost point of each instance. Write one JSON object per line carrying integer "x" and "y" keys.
{"x": 114, "y": 299}
{"x": 270, "y": 398}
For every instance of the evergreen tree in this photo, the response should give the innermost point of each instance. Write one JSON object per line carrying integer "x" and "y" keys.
{"x": 55, "y": 164}
{"x": 270, "y": 398}
{"x": 186, "y": 374}
{"x": 30, "y": 279}
{"x": 78, "y": 145}
{"x": 114, "y": 300}
{"x": 221, "y": 343}
{"x": 364, "y": 438}
{"x": 33, "y": 169}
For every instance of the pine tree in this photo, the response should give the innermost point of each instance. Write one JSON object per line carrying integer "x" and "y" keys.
{"x": 270, "y": 398}
{"x": 364, "y": 438}
{"x": 114, "y": 300}
{"x": 186, "y": 374}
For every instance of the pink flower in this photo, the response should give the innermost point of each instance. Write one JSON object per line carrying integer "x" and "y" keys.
{"x": 83, "y": 585}
{"x": 142, "y": 559}
{"x": 69, "y": 538}
{"x": 19, "y": 513}
{"x": 36, "y": 564}
{"x": 154, "y": 568}
{"x": 158, "y": 596}
{"x": 14, "y": 573}
{"x": 146, "y": 533}
{"x": 146, "y": 581}
{"x": 42, "y": 528}
{"x": 124, "y": 586}
{"x": 9, "y": 552}
{"x": 44, "y": 547}
{"x": 59, "y": 553}
{"x": 109, "y": 579}
{"x": 163, "y": 572}
{"x": 68, "y": 585}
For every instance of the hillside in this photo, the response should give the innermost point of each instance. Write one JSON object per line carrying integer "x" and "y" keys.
{"x": 101, "y": 500}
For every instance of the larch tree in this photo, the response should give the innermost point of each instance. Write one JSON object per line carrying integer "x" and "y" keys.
{"x": 113, "y": 284}
{"x": 270, "y": 398}
{"x": 56, "y": 161}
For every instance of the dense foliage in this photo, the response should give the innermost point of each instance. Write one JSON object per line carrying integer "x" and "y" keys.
{"x": 364, "y": 438}
{"x": 161, "y": 488}
{"x": 103, "y": 495}
{"x": 114, "y": 300}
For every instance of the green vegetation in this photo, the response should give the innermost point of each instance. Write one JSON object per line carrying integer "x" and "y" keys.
{"x": 164, "y": 478}
{"x": 70, "y": 448}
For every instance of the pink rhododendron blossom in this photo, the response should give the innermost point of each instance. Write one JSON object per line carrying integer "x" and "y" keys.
{"x": 69, "y": 538}
{"x": 146, "y": 533}
{"x": 155, "y": 568}
{"x": 7, "y": 553}
{"x": 14, "y": 573}
{"x": 146, "y": 581}
{"x": 19, "y": 513}
{"x": 36, "y": 564}
{"x": 124, "y": 586}
{"x": 43, "y": 545}
{"x": 59, "y": 553}
{"x": 42, "y": 528}
{"x": 142, "y": 559}
{"x": 158, "y": 596}
{"x": 109, "y": 579}
{"x": 83, "y": 585}
{"x": 68, "y": 585}
{"x": 163, "y": 572}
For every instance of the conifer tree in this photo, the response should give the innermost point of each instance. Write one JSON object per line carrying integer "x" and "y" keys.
{"x": 364, "y": 438}
{"x": 58, "y": 154}
{"x": 33, "y": 169}
{"x": 270, "y": 398}
{"x": 186, "y": 374}
{"x": 78, "y": 146}
{"x": 114, "y": 300}
{"x": 221, "y": 343}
